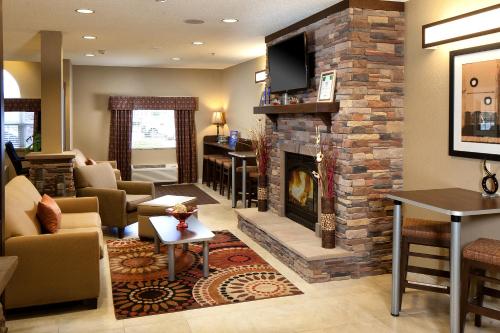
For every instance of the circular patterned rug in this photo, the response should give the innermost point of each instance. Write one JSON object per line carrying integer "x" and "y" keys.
{"x": 139, "y": 277}
{"x": 241, "y": 284}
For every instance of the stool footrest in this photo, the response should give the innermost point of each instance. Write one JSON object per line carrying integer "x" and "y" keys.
{"x": 427, "y": 287}
{"x": 428, "y": 256}
{"x": 428, "y": 271}
{"x": 495, "y": 314}
{"x": 486, "y": 279}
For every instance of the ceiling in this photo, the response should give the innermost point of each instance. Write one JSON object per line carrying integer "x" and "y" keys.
{"x": 148, "y": 33}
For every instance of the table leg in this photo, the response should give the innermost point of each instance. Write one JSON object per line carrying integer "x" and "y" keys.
{"x": 233, "y": 181}
{"x": 244, "y": 185}
{"x": 157, "y": 243}
{"x": 185, "y": 247}
{"x": 455, "y": 262}
{"x": 205, "y": 259}
{"x": 396, "y": 257}
{"x": 171, "y": 262}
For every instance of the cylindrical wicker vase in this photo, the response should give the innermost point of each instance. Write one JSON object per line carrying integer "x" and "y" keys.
{"x": 327, "y": 221}
{"x": 262, "y": 194}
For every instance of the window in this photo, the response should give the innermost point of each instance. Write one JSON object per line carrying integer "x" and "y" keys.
{"x": 18, "y": 127}
{"x": 153, "y": 129}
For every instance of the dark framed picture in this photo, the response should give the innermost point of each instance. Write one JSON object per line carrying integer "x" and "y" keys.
{"x": 474, "y": 129}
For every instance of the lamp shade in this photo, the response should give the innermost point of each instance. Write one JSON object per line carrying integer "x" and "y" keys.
{"x": 218, "y": 118}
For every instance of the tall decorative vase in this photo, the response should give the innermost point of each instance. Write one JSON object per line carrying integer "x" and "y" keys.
{"x": 262, "y": 194}
{"x": 327, "y": 221}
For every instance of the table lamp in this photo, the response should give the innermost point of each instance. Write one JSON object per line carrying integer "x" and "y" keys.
{"x": 218, "y": 119}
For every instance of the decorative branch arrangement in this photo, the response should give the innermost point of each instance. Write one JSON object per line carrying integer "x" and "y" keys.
{"x": 261, "y": 142}
{"x": 326, "y": 160}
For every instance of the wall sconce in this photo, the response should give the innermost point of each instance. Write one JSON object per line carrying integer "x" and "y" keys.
{"x": 260, "y": 76}
{"x": 474, "y": 24}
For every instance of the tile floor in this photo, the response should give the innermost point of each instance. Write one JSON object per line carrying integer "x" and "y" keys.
{"x": 339, "y": 306}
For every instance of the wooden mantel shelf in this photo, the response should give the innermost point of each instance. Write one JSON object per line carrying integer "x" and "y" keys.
{"x": 322, "y": 110}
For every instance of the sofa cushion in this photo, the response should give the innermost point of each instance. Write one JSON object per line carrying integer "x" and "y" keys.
{"x": 21, "y": 201}
{"x": 49, "y": 214}
{"x": 100, "y": 175}
{"x": 80, "y": 220}
{"x": 135, "y": 199}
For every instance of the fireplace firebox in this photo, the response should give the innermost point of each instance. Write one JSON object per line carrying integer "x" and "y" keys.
{"x": 301, "y": 190}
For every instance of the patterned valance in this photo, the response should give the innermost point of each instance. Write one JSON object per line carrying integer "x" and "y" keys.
{"x": 23, "y": 104}
{"x": 152, "y": 103}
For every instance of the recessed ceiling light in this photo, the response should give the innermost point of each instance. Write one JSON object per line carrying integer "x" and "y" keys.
{"x": 85, "y": 11}
{"x": 89, "y": 55}
{"x": 229, "y": 20}
{"x": 198, "y": 43}
{"x": 89, "y": 37}
{"x": 176, "y": 59}
{"x": 194, "y": 21}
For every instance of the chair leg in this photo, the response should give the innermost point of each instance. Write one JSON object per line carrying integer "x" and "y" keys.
{"x": 221, "y": 180}
{"x": 121, "y": 232}
{"x": 479, "y": 297}
{"x": 403, "y": 267}
{"x": 464, "y": 298}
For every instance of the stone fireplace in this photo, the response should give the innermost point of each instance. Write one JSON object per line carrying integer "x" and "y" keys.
{"x": 364, "y": 42}
{"x": 301, "y": 190}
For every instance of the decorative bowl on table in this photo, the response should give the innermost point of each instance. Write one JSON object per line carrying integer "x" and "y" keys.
{"x": 181, "y": 213}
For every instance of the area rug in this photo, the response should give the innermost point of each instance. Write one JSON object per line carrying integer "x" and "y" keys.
{"x": 187, "y": 190}
{"x": 140, "y": 285}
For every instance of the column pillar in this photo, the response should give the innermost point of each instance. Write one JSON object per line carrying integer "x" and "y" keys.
{"x": 52, "y": 92}
{"x": 68, "y": 104}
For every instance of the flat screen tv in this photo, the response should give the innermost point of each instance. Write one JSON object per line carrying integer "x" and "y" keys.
{"x": 288, "y": 64}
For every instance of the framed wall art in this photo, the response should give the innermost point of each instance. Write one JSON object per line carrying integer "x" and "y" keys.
{"x": 327, "y": 86}
{"x": 474, "y": 129}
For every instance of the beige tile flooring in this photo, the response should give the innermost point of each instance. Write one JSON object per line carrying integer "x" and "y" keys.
{"x": 339, "y": 306}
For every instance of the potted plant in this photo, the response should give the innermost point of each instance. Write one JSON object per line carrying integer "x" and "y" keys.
{"x": 36, "y": 143}
{"x": 261, "y": 142}
{"x": 326, "y": 161}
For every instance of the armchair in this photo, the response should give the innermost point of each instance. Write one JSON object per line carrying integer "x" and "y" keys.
{"x": 52, "y": 268}
{"x": 81, "y": 160}
{"x": 118, "y": 200}
{"x": 16, "y": 160}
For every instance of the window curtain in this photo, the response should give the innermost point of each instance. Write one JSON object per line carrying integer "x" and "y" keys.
{"x": 120, "y": 141}
{"x": 26, "y": 105}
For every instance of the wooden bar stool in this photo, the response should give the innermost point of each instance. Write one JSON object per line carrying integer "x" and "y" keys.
{"x": 427, "y": 233}
{"x": 479, "y": 257}
{"x": 239, "y": 170}
{"x": 226, "y": 178}
{"x": 211, "y": 169}
{"x": 217, "y": 170}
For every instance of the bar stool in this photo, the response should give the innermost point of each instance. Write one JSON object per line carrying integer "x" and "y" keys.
{"x": 211, "y": 169}
{"x": 217, "y": 170}
{"x": 251, "y": 170}
{"x": 479, "y": 257}
{"x": 226, "y": 178}
{"x": 204, "y": 176}
{"x": 427, "y": 233}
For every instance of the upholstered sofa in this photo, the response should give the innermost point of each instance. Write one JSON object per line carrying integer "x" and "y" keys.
{"x": 53, "y": 268}
{"x": 81, "y": 160}
{"x": 118, "y": 200}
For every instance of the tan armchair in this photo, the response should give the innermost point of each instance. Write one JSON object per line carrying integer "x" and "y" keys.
{"x": 118, "y": 200}
{"x": 53, "y": 268}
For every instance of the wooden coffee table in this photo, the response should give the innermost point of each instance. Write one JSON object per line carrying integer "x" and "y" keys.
{"x": 167, "y": 233}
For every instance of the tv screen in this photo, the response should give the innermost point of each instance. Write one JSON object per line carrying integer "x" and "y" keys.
{"x": 288, "y": 64}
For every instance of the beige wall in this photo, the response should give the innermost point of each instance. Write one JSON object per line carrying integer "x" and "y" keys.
{"x": 93, "y": 85}
{"x": 426, "y": 160}
{"x": 241, "y": 94}
{"x": 28, "y": 76}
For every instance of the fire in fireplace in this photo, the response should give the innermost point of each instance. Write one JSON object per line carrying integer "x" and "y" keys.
{"x": 301, "y": 192}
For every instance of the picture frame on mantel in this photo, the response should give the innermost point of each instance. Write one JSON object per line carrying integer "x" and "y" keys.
{"x": 326, "y": 89}
{"x": 474, "y": 128}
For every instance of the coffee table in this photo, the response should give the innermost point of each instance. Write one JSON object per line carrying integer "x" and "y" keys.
{"x": 157, "y": 207}
{"x": 167, "y": 233}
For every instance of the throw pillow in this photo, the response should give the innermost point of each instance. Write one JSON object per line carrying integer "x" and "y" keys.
{"x": 90, "y": 162}
{"x": 49, "y": 214}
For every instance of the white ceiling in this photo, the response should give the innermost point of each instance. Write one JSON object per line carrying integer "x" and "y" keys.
{"x": 147, "y": 33}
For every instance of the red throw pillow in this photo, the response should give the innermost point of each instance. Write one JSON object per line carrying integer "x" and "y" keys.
{"x": 49, "y": 214}
{"x": 90, "y": 162}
